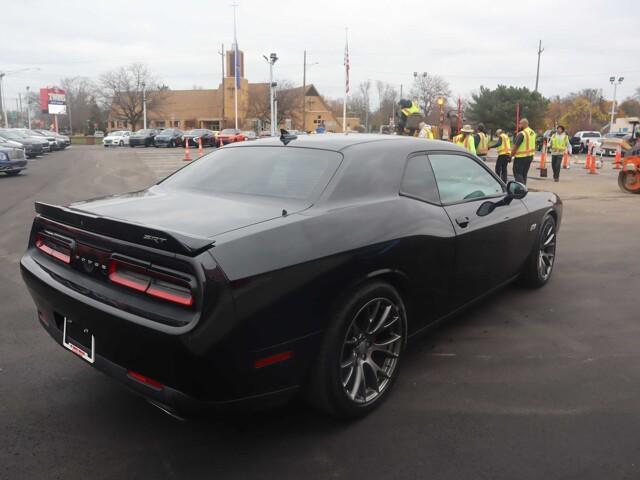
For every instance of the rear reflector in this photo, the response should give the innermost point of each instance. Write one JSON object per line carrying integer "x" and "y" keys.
{"x": 146, "y": 380}
{"x": 278, "y": 357}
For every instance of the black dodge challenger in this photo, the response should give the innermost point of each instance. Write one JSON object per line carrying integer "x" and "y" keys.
{"x": 283, "y": 265}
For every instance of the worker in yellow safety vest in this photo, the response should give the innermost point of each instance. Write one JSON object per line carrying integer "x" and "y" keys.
{"x": 466, "y": 139}
{"x": 524, "y": 147}
{"x": 559, "y": 145}
{"x": 482, "y": 142}
{"x": 425, "y": 131}
{"x": 503, "y": 146}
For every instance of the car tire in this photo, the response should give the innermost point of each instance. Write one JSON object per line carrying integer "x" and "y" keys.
{"x": 361, "y": 349}
{"x": 121, "y": 144}
{"x": 131, "y": 145}
{"x": 172, "y": 144}
{"x": 105, "y": 146}
{"x": 13, "y": 174}
{"x": 540, "y": 262}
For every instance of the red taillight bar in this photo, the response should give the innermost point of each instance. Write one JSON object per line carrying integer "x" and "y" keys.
{"x": 159, "y": 285}
{"x": 42, "y": 246}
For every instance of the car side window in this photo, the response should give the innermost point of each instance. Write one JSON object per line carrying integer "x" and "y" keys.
{"x": 460, "y": 178}
{"x": 418, "y": 180}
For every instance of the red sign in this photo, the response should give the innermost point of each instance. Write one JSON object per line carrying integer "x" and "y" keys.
{"x": 53, "y": 100}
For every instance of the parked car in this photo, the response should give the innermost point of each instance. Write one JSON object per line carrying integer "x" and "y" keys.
{"x": 118, "y": 138}
{"x": 250, "y": 135}
{"x": 45, "y": 142}
{"x": 98, "y": 133}
{"x": 230, "y": 135}
{"x": 53, "y": 143}
{"x": 239, "y": 267}
{"x": 208, "y": 137}
{"x": 32, "y": 147}
{"x": 62, "y": 141}
{"x": 5, "y": 142}
{"x": 581, "y": 140}
{"x": 142, "y": 138}
{"x": 12, "y": 160}
{"x": 169, "y": 137}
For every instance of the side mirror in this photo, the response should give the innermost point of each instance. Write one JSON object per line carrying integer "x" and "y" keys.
{"x": 516, "y": 190}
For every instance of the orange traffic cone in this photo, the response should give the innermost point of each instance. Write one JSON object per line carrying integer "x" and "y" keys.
{"x": 592, "y": 167}
{"x": 565, "y": 160}
{"x": 187, "y": 157}
{"x": 543, "y": 158}
{"x": 587, "y": 163}
{"x": 200, "y": 153}
{"x": 618, "y": 164}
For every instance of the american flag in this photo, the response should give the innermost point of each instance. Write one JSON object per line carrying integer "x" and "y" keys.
{"x": 346, "y": 65}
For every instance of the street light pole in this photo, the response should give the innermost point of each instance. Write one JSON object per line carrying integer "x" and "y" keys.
{"x": 144, "y": 105}
{"x": 613, "y": 104}
{"x": 4, "y": 107}
{"x": 28, "y": 108}
{"x": 271, "y": 59}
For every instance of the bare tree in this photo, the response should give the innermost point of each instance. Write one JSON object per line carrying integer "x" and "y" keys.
{"x": 287, "y": 96}
{"x": 387, "y": 98}
{"x": 121, "y": 90}
{"x": 81, "y": 99}
{"x": 426, "y": 90}
{"x": 365, "y": 88}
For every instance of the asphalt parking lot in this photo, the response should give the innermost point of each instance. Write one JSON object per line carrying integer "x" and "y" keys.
{"x": 527, "y": 385}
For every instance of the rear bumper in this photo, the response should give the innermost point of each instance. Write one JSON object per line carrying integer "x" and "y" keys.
{"x": 196, "y": 370}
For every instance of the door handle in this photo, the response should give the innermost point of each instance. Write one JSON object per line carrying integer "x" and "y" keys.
{"x": 462, "y": 221}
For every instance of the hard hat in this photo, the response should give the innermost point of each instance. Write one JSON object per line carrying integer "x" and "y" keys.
{"x": 467, "y": 129}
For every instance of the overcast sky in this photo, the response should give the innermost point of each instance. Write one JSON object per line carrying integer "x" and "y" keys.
{"x": 470, "y": 43}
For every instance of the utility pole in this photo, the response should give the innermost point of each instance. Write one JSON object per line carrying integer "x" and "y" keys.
{"x": 304, "y": 93}
{"x": 221, "y": 53}
{"x": 540, "y": 50}
{"x": 144, "y": 105}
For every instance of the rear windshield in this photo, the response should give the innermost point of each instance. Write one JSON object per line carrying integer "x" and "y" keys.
{"x": 591, "y": 134}
{"x": 283, "y": 172}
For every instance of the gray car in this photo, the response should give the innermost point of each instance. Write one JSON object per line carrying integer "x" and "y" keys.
{"x": 32, "y": 147}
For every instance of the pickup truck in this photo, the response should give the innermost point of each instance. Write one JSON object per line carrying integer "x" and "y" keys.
{"x": 580, "y": 140}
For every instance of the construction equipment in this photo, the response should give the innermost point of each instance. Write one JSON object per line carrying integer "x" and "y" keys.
{"x": 629, "y": 176}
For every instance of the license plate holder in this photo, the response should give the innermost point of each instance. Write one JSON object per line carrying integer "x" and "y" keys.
{"x": 79, "y": 340}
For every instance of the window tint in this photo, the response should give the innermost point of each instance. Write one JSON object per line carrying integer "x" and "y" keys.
{"x": 268, "y": 171}
{"x": 461, "y": 178}
{"x": 418, "y": 180}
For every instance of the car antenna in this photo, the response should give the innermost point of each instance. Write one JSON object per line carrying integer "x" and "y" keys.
{"x": 286, "y": 137}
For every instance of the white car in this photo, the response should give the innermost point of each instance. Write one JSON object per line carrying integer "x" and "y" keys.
{"x": 582, "y": 140}
{"x": 119, "y": 138}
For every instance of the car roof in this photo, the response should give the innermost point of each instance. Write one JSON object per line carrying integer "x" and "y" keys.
{"x": 341, "y": 141}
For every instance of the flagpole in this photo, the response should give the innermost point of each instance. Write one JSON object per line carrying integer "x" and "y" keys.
{"x": 346, "y": 80}
{"x": 236, "y": 64}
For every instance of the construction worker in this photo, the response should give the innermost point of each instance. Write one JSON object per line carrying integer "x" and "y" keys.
{"x": 482, "y": 142}
{"x": 504, "y": 154}
{"x": 409, "y": 111}
{"x": 466, "y": 139}
{"x": 524, "y": 147}
{"x": 559, "y": 145}
{"x": 425, "y": 131}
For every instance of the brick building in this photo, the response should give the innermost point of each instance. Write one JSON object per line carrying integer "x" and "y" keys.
{"x": 215, "y": 109}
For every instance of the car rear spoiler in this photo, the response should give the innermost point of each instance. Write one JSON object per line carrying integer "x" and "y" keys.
{"x": 149, "y": 236}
